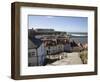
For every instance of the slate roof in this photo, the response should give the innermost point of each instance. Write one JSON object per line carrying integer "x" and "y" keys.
{"x": 31, "y": 45}
{"x": 34, "y": 43}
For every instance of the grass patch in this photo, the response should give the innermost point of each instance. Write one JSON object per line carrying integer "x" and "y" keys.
{"x": 84, "y": 56}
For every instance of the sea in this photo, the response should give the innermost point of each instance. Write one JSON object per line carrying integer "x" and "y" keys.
{"x": 79, "y": 38}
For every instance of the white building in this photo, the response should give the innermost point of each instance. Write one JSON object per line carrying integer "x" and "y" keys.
{"x": 54, "y": 48}
{"x": 60, "y": 47}
{"x": 36, "y": 52}
{"x": 51, "y": 50}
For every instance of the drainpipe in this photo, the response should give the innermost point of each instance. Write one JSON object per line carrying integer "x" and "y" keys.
{"x": 37, "y": 56}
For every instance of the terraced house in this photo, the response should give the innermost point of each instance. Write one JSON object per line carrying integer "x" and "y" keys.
{"x": 36, "y": 52}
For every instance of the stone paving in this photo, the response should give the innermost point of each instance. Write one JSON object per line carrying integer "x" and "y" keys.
{"x": 72, "y": 58}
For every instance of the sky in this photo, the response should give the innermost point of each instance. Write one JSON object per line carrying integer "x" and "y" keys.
{"x": 58, "y": 23}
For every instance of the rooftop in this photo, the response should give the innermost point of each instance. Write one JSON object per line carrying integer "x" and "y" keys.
{"x": 44, "y": 30}
{"x": 31, "y": 44}
{"x": 34, "y": 42}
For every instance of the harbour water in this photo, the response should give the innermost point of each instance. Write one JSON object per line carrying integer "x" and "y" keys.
{"x": 80, "y": 38}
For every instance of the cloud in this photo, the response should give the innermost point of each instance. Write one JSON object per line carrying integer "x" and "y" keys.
{"x": 50, "y": 17}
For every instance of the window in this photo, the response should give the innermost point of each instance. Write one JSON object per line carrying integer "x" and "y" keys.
{"x": 48, "y": 47}
{"x": 30, "y": 54}
{"x": 33, "y": 54}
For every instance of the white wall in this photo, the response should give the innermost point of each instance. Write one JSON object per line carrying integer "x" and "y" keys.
{"x": 5, "y": 44}
{"x": 41, "y": 52}
{"x": 32, "y": 59}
